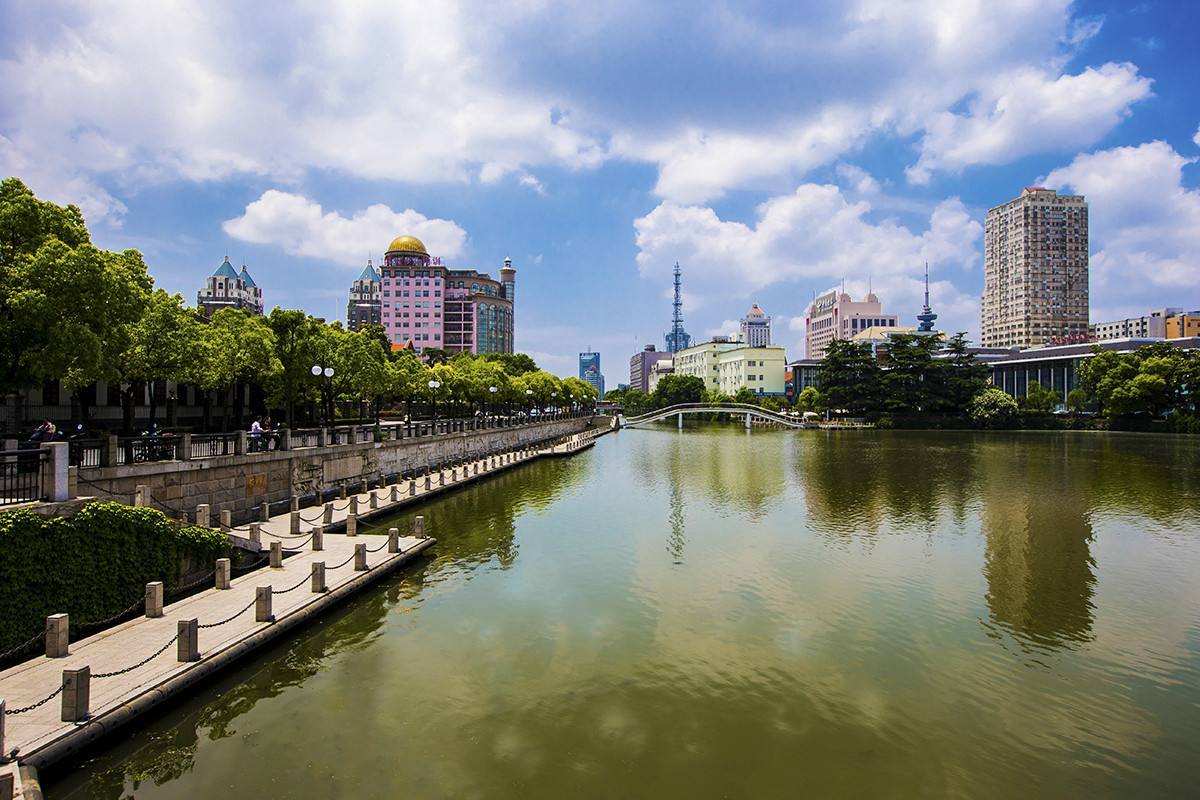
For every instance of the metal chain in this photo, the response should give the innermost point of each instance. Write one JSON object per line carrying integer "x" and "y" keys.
{"x": 344, "y": 563}
{"x": 141, "y": 663}
{"x": 298, "y": 545}
{"x": 21, "y": 647}
{"x": 231, "y": 618}
{"x": 376, "y": 549}
{"x": 250, "y": 566}
{"x": 102, "y": 623}
{"x": 8, "y": 712}
{"x": 180, "y": 589}
{"x": 303, "y": 581}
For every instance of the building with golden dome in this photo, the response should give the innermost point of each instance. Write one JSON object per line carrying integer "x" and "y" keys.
{"x": 426, "y": 305}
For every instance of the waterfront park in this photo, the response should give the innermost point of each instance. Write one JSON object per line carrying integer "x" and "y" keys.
{"x": 580, "y": 400}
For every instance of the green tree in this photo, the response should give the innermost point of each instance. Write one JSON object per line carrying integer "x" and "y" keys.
{"x": 1038, "y": 399}
{"x": 746, "y": 397}
{"x": 236, "y": 348}
{"x": 1077, "y": 400}
{"x": 513, "y": 363}
{"x": 964, "y": 376}
{"x": 164, "y": 345}
{"x": 914, "y": 379}
{"x": 583, "y": 392}
{"x": 810, "y": 399}
{"x": 849, "y": 378}
{"x": 673, "y": 390}
{"x": 296, "y": 349}
{"x": 993, "y": 408}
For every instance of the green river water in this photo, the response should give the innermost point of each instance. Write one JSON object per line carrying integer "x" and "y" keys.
{"x": 716, "y": 613}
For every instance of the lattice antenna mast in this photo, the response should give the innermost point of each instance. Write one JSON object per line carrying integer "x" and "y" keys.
{"x": 677, "y": 308}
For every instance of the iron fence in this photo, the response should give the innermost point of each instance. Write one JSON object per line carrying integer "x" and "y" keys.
{"x": 212, "y": 445}
{"x": 87, "y": 453}
{"x": 144, "y": 449}
{"x": 21, "y": 475}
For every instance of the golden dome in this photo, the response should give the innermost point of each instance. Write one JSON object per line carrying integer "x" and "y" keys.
{"x": 408, "y": 244}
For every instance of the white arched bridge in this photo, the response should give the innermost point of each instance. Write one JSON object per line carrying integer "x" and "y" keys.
{"x": 735, "y": 409}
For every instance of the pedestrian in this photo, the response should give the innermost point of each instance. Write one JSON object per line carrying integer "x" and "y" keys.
{"x": 256, "y": 433}
{"x": 44, "y": 433}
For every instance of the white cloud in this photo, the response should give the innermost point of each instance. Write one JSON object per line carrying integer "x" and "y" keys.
{"x": 1144, "y": 225}
{"x": 726, "y": 328}
{"x": 813, "y": 236}
{"x": 1196, "y": 137}
{"x": 531, "y": 182}
{"x": 301, "y": 227}
{"x": 1030, "y": 111}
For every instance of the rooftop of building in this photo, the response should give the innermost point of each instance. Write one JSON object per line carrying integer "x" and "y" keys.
{"x": 245, "y": 276}
{"x": 407, "y": 244}
{"x": 225, "y": 270}
{"x": 369, "y": 274}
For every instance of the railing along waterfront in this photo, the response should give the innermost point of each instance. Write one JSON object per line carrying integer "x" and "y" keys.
{"x": 142, "y": 449}
{"x": 87, "y": 453}
{"x": 21, "y": 475}
{"x": 305, "y": 437}
{"x": 212, "y": 445}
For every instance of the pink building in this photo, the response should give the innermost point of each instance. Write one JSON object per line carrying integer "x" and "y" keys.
{"x": 424, "y": 304}
{"x": 835, "y": 316}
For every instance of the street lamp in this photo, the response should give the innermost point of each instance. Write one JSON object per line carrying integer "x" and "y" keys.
{"x": 433, "y": 387}
{"x": 529, "y": 397}
{"x": 492, "y": 405}
{"x": 326, "y": 388}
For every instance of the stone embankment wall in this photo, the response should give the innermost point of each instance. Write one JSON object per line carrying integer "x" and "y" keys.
{"x": 242, "y": 483}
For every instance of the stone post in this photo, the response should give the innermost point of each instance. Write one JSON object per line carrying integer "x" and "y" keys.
{"x": 295, "y": 503}
{"x": 427, "y": 482}
{"x": 188, "y": 648}
{"x": 454, "y": 475}
{"x": 365, "y": 486}
{"x": 140, "y": 494}
{"x": 318, "y": 538}
{"x": 393, "y": 540}
{"x": 256, "y": 533}
{"x": 226, "y": 520}
{"x": 441, "y": 477}
{"x": 412, "y": 487}
{"x": 222, "y": 574}
{"x": 56, "y": 478}
{"x": 185, "y": 447}
{"x": 395, "y": 496}
{"x": 419, "y": 526}
{"x": 373, "y": 501}
{"x": 276, "y": 554}
{"x": 58, "y": 642}
{"x": 109, "y": 454}
{"x": 352, "y": 524}
{"x": 318, "y": 577}
{"x": 294, "y": 522}
{"x": 202, "y": 515}
{"x": 342, "y": 492}
{"x": 239, "y": 444}
{"x": 328, "y": 517}
{"x": 354, "y": 504}
{"x": 360, "y": 558}
{"x": 262, "y": 604}
{"x": 322, "y": 438}
{"x": 154, "y": 599}
{"x": 76, "y": 694}
{"x": 285, "y": 439}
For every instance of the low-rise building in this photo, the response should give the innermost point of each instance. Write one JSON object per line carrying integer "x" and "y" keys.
{"x": 1182, "y": 326}
{"x": 759, "y": 369}
{"x": 701, "y": 360}
{"x": 659, "y": 369}
{"x": 878, "y": 336}
{"x": 640, "y": 364}
{"x": 1148, "y": 326}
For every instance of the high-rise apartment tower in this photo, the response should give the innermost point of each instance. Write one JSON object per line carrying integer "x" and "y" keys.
{"x": 1036, "y": 271}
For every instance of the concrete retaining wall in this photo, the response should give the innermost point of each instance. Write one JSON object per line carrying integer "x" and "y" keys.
{"x": 241, "y": 483}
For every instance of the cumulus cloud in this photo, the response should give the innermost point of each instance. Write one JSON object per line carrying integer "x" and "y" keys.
{"x": 1027, "y": 112}
{"x": 1196, "y": 137}
{"x": 300, "y": 227}
{"x": 1144, "y": 225}
{"x": 813, "y": 236}
{"x": 120, "y": 95}
{"x": 726, "y": 328}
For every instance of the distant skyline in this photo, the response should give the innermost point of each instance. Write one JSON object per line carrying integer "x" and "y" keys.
{"x": 773, "y": 150}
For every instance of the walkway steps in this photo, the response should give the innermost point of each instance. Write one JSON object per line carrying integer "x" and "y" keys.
{"x": 43, "y": 738}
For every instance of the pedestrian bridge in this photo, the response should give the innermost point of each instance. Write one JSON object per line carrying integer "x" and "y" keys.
{"x": 737, "y": 409}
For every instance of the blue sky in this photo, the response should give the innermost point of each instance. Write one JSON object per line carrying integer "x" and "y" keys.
{"x": 773, "y": 149}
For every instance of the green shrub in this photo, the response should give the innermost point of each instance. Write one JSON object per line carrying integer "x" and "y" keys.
{"x": 993, "y": 408}
{"x": 91, "y": 566}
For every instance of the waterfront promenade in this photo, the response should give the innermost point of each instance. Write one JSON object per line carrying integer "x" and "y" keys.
{"x": 136, "y": 665}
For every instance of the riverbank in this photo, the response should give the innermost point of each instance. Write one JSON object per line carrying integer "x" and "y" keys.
{"x": 225, "y": 629}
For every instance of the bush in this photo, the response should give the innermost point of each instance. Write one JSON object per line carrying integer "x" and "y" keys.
{"x": 91, "y": 566}
{"x": 993, "y": 408}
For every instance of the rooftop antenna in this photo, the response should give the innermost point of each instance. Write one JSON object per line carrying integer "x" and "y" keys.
{"x": 926, "y": 318}
{"x": 677, "y": 314}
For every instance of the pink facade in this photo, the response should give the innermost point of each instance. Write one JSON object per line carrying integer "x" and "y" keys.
{"x": 424, "y": 305}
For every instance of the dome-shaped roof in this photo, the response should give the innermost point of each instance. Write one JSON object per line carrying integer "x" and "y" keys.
{"x": 407, "y": 244}
{"x": 755, "y": 311}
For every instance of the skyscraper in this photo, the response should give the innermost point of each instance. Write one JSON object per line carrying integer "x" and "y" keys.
{"x": 589, "y": 370}
{"x": 756, "y": 327}
{"x": 1035, "y": 271}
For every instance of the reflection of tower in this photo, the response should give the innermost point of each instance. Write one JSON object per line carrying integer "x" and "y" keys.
{"x": 1038, "y": 561}
{"x": 678, "y": 538}
{"x": 926, "y": 317}
{"x": 678, "y": 338}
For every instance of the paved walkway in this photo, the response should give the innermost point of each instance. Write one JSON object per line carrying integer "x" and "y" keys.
{"x": 119, "y": 692}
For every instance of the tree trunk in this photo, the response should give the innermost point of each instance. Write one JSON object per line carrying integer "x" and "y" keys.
{"x": 208, "y": 402}
{"x": 153, "y": 406}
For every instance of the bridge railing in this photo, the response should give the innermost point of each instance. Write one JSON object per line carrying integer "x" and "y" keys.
{"x": 726, "y": 408}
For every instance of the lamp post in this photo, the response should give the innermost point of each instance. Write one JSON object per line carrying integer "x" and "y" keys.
{"x": 492, "y": 405}
{"x": 529, "y": 398}
{"x": 554, "y": 403}
{"x": 320, "y": 372}
{"x": 433, "y": 387}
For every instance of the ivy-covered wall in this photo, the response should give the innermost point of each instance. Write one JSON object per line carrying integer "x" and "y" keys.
{"x": 92, "y": 565}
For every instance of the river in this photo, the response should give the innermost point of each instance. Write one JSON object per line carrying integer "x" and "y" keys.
{"x": 722, "y": 613}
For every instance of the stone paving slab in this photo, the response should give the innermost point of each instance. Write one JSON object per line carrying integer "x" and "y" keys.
{"x": 42, "y": 737}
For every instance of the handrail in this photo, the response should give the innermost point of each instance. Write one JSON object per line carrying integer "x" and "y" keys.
{"x": 663, "y": 413}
